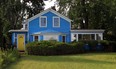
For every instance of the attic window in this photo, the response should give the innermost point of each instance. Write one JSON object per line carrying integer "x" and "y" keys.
{"x": 43, "y": 21}
{"x": 56, "y": 22}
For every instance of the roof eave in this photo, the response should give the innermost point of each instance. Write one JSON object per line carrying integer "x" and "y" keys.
{"x": 18, "y": 31}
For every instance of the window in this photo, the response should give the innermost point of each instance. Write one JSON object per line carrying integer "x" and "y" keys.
{"x": 79, "y": 36}
{"x": 64, "y": 39}
{"x": 51, "y": 37}
{"x": 26, "y": 26}
{"x": 35, "y": 38}
{"x": 56, "y": 22}
{"x": 43, "y": 21}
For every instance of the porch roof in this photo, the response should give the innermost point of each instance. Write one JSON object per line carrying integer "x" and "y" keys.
{"x": 88, "y": 31}
{"x": 47, "y": 32}
{"x": 18, "y": 30}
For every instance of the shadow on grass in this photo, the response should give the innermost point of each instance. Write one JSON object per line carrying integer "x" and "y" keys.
{"x": 64, "y": 59}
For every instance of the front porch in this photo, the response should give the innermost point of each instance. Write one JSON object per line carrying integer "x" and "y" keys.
{"x": 86, "y": 35}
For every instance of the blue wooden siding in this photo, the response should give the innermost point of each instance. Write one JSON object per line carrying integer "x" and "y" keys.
{"x": 64, "y": 26}
{"x": 14, "y": 37}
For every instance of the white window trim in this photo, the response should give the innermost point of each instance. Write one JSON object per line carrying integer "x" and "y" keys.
{"x": 53, "y": 21}
{"x": 34, "y": 37}
{"x": 40, "y": 21}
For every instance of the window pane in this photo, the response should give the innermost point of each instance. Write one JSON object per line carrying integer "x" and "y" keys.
{"x": 98, "y": 37}
{"x": 92, "y": 36}
{"x": 36, "y": 38}
{"x": 56, "y": 21}
{"x": 86, "y": 37}
{"x": 63, "y": 38}
{"x": 80, "y": 37}
{"x": 43, "y": 21}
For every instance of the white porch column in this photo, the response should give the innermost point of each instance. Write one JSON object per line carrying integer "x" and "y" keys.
{"x": 23, "y": 26}
{"x": 77, "y": 37}
{"x": 101, "y": 36}
{"x": 95, "y": 37}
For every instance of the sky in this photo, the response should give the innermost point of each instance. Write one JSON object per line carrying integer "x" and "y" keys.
{"x": 49, "y": 3}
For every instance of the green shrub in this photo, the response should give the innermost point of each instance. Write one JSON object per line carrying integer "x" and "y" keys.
{"x": 7, "y": 57}
{"x": 112, "y": 46}
{"x": 105, "y": 45}
{"x": 59, "y": 48}
{"x": 78, "y": 47}
{"x": 104, "y": 42}
{"x": 53, "y": 48}
{"x": 91, "y": 44}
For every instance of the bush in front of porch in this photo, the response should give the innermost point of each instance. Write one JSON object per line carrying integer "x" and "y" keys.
{"x": 59, "y": 48}
{"x": 53, "y": 48}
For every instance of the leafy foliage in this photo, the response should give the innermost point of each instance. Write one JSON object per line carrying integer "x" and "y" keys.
{"x": 13, "y": 13}
{"x": 52, "y": 48}
{"x": 59, "y": 48}
{"x": 91, "y": 14}
{"x": 7, "y": 57}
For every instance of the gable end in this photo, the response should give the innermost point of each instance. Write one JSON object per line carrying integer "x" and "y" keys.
{"x": 53, "y": 11}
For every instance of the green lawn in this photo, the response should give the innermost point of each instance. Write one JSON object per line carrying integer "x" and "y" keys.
{"x": 84, "y": 61}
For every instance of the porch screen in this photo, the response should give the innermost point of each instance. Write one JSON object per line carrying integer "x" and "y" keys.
{"x": 51, "y": 37}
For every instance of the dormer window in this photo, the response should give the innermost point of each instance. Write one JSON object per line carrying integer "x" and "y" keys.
{"x": 43, "y": 21}
{"x": 56, "y": 22}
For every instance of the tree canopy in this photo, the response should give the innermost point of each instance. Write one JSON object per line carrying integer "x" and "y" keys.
{"x": 91, "y": 14}
{"x": 13, "y": 12}
{"x": 85, "y": 14}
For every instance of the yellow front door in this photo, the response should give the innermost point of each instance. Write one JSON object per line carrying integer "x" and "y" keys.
{"x": 20, "y": 39}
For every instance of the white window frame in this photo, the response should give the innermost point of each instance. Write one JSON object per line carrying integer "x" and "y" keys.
{"x": 53, "y": 21}
{"x": 40, "y": 21}
{"x": 34, "y": 37}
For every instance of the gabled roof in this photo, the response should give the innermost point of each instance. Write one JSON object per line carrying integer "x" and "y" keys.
{"x": 51, "y": 10}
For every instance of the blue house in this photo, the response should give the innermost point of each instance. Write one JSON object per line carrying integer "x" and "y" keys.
{"x": 48, "y": 25}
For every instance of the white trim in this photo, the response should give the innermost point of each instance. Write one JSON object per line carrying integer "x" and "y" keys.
{"x": 53, "y": 21}
{"x": 40, "y": 21}
{"x": 14, "y": 38}
{"x": 87, "y": 31}
{"x": 101, "y": 36}
{"x": 77, "y": 37}
{"x": 24, "y": 41}
{"x": 95, "y": 37}
{"x": 28, "y": 29}
{"x": 18, "y": 30}
{"x": 51, "y": 10}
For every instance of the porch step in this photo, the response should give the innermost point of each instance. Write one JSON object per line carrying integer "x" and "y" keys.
{"x": 22, "y": 52}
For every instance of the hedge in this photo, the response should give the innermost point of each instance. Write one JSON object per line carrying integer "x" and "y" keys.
{"x": 52, "y": 48}
{"x": 59, "y": 48}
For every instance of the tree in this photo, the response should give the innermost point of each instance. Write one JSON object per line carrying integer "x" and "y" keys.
{"x": 91, "y": 14}
{"x": 13, "y": 12}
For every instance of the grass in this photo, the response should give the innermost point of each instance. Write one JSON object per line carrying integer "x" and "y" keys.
{"x": 84, "y": 61}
